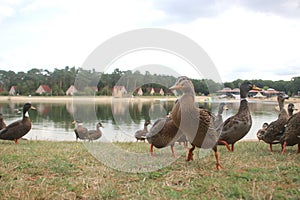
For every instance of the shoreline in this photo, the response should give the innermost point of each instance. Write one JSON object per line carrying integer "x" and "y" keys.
{"x": 108, "y": 99}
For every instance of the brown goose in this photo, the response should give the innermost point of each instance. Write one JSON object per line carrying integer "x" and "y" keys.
{"x": 291, "y": 135}
{"x": 18, "y": 129}
{"x": 238, "y": 125}
{"x": 163, "y": 133}
{"x": 95, "y": 134}
{"x": 219, "y": 118}
{"x": 141, "y": 134}
{"x": 275, "y": 129}
{"x": 2, "y": 124}
{"x": 195, "y": 123}
{"x": 80, "y": 131}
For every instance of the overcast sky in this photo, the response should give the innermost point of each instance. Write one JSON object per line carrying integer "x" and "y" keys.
{"x": 246, "y": 39}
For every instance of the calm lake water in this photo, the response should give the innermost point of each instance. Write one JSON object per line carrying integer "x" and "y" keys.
{"x": 53, "y": 121}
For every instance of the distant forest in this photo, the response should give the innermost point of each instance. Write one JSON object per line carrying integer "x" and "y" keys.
{"x": 59, "y": 80}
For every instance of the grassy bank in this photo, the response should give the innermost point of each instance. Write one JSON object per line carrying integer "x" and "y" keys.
{"x": 65, "y": 170}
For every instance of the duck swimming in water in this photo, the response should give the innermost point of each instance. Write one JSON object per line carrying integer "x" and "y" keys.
{"x": 237, "y": 126}
{"x": 18, "y": 129}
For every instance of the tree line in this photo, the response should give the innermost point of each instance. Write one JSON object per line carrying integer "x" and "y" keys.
{"x": 59, "y": 80}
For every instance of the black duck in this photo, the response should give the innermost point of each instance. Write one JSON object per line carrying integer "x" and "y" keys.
{"x": 238, "y": 125}
{"x": 141, "y": 134}
{"x": 95, "y": 134}
{"x": 196, "y": 123}
{"x": 18, "y": 129}
{"x": 275, "y": 129}
{"x": 80, "y": 131}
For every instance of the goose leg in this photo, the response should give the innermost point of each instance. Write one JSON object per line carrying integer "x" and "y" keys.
{"x": 299, "y": 148}
{"x": 271, "y": 148}
{"x": 172, "y": 149}
{"x": 284, "y": 147}
{"x": 151, "y": 150}
{"x": 190, "y": 154}
{"x": 232, "y": 147}
{"x": 16, "y": 141}
{"x": 218, "y": 165}
{"x": 225, "y": 143}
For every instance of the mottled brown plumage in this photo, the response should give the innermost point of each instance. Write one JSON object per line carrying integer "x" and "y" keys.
{"x": 238, "y": 125}
{"x": 2, "y": 124}
{"x": 196, "y": 123}
{"x": 291, "y": 135}
{"x": 18, "y": 129}
{"x": 275, "y": 129}
{"x": 163, "y": 133}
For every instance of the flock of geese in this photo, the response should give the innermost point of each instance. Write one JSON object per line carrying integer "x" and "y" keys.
{"x": 189, "y": 123}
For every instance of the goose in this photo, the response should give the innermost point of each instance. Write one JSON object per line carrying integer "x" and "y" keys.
{"x": 291, "y": 109}
{"x": 80, "y": 131}
{"x": 141, "y": 134}
{"x": 219, "y": 118}
{"x": 163, "y": 133}
{"x": 275, "y": 129}
{"x": 262, "y": 131}
{"x": 237, "y": 126}
{"x": 18, "y": 129}
{"x": 2, "y": 124}
{"x": 291, "y": 135}
{"x": 195, "y": 123}
{"x": 95, "y": 134}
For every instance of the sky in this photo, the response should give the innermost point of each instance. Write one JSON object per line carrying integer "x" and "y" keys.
{"x": 245, "y": 39}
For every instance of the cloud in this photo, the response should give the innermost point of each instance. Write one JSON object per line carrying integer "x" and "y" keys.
{"x": 184, "y": 11}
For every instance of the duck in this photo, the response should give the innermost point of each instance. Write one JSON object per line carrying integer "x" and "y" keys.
{"x": 262, "y": 131}
{"x": 237, "y": 126}
{"x": 80, "y": 131}
{"x": 163, "y": 133}
{"x": 18, "y": 129}
{"x": 275, "y": 129}
{"x": 2, "y": 123}
{"x": 219, "y": 118}
{"x": 95, "y": 134}
{"x": 197, "y": 124}
{"x": 291, "y": 109}
{"x": 291, "y": 135}
{"x": 141, "y": 134}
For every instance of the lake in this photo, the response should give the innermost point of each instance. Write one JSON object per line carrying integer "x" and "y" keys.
{"x": 120, "y": 118}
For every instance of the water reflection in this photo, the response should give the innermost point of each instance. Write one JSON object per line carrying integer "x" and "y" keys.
{"x": 53, "y": 121}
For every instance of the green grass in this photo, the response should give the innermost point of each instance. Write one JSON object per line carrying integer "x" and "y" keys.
{"x": 66, "y": 170}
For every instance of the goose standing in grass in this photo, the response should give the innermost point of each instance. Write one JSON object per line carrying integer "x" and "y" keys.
{"x": 275, "y": 129}
{"x": 2, "y": 124}
{"x": 80, "y": 131}
{"x": 196, "y": 123}
{"x": 95, "y": 134}
{"x": 163, "y": 133}
{"x": 18, "y": 129}
{"x": 238, "y": 125}
{"x": 219, "y": 118}
{"x": 291, "y": 135}
{"x": 141, "y": 134}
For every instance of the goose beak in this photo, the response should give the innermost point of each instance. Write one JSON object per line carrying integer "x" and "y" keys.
{"x": 73, "y": 122}
{"x": 256, "y": 88}
{"x": 32, "y": 108}
{"x": 175, "y": 87}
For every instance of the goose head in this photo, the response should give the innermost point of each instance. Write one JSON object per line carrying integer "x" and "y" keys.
{"x": 291, "y": 108}
{"x": 184, "y": 84}
{"x": 245, "y": 87}
{"x": 26, "y": 108}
